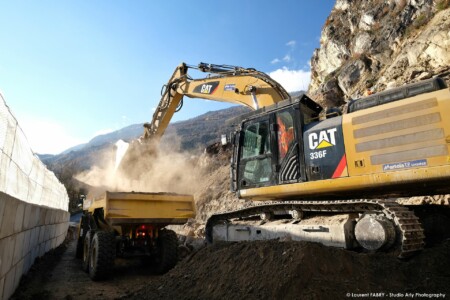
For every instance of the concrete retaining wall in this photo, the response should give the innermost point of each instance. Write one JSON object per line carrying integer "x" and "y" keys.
{"x": 27, "y": 231}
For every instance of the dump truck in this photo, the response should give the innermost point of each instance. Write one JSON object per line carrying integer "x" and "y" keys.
{"x": 118, "y": 223}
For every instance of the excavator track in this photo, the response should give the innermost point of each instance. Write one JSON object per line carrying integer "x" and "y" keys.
{"x": 410, "y": 234}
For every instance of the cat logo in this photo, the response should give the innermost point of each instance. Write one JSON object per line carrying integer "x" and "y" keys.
{"x": 324, "y": 139}
{"x": 207, "y": 88}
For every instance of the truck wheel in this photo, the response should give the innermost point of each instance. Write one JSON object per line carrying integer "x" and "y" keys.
{"x": 167, "y": 256}
{"x": 87, "y": 250}
{"x": 102, "y": 255}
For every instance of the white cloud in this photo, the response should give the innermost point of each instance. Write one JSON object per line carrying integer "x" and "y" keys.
{"x": 102, "y": 132}
{"x": 275, "y": 61}
{"x": 291, "y": 43}
{"x": 287, "y": 58}
{"x": 47, "y": 137}
{"x": 292, "y": 80}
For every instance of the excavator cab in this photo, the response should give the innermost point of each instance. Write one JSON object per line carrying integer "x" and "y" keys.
{"x": 268, "y": 148}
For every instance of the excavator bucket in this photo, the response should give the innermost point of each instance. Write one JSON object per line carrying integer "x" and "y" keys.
{"x": 136, "y": 159}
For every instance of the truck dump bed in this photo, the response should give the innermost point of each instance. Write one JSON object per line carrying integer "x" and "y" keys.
{"x": 122, "y": 208}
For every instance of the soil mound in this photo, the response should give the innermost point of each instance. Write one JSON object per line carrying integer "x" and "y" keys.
{"x": 299, "y": 270}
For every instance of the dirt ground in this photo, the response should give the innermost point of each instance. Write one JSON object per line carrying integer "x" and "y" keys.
{"x": 298, "y": 270}
{"x": 248, "y": 270}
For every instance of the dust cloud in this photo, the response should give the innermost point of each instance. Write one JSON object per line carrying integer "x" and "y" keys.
{"x": 145, "y": 167}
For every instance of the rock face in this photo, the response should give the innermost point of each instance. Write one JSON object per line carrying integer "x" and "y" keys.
{"x": 378, "y": 44}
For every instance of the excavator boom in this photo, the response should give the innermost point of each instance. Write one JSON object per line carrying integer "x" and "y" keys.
{"x": 224, "y": 83}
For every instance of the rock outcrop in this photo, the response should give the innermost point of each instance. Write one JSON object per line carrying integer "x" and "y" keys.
{"x": 377, "y": 44}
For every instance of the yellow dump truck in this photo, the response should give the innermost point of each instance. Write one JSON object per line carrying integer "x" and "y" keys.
{"x": 119, "y": 222}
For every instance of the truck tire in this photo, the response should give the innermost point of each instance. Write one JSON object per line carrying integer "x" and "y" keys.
{"x": 167, "y": 254}
{"x": 102, "y": 256}
{"x": 87, "y": 250}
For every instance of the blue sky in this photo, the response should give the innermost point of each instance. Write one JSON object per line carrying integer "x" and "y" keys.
{"x": 70, "y": 70}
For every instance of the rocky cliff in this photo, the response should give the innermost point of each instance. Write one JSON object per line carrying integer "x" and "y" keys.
{"x": 378, "y": 44}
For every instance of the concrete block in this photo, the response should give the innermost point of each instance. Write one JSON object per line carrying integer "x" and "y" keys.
{"x": 41, "y": 234}
{"x": 37, "y": 216}
{"x": 8, "y": 288}
{"x": 18, "y": 221}
{"x": 58, "y": 229}
{"x": 18, "y": 247}
{"x": 41, "y": 249}
{"x": 34, "y": 253}
{"x": 63, "y": 237}
{"x": 48, "y": 246}
{"x": 48, "y": 216}
{"x": 27, "y": 220}
{"x": 26, "y": 242}
{"x": 53, "y": 231}
{"x": 63, "y": 216}
{"x": 7, "y": 226}
{"x": 32, "y": 221}
{"x": 2, "y": 209}
{"x": 6, "y": 252}
{"x": 57, "y": 216}
{"x": 33, "y": 237}
{"x": 46, "y": 232}
{"x": 63, "y": 229}
{"x": 50, "y": 231}
{"x": 2, "y": 285}
{"x": 53, "y": 217}
{"x": 60, "y": 239}
{"x": 42, "y": 212}
{"x": 27, "y": 263}
{"x": 19, "y": 272}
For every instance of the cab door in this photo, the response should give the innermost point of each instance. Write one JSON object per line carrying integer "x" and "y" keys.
{"x": 290, "y": 166}
{"x": 257, "y": 161}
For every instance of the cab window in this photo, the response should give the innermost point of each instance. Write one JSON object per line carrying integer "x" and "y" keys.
{"x": 256, "y": 140}
{"x": 256, "y": 156}
{"x": 285, "y": 123}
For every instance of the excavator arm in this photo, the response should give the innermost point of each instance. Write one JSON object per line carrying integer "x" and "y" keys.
{"x": 224, "y": 83}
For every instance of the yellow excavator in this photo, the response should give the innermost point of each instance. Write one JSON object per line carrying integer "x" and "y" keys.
{"x": 323, "y": 176}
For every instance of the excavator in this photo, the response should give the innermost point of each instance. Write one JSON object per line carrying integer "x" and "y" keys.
{"x": 320, "y": 175}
